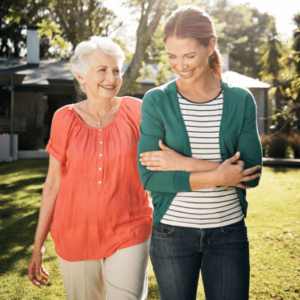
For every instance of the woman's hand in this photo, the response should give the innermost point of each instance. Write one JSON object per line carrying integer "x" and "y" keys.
{"x": 165, "y": 160}
{"x": 232, "y": 172}
{"x": 36, "y": 272}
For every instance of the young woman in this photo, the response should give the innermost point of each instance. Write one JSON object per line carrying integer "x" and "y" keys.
{"x": 199, "y": 150}
{"x": 93, "y": 200}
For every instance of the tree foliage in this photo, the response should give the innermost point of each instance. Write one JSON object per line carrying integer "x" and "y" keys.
{"x": 80, "y": 19}
{"x": 62, "y": 24}
{"x": 15, "y": 16}
{"x": 151, "y": 12}
{"x": 272, "y": 51}
{"x": 239, "y": 30}
{"x": 281, "y": 65}
{"x": 290, "y": 75}
{"x": 240, "y": 34}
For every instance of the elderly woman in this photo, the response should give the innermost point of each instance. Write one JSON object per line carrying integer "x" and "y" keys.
{"x": 93, "y": 201}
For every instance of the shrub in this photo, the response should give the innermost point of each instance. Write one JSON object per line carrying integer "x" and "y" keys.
{"x": 277, "y": 146}
{"x": 265, "y": 140}
{"x": 294, "y": 142}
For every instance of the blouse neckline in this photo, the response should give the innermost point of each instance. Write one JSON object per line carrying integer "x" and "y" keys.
{"x": 92, "y": 127}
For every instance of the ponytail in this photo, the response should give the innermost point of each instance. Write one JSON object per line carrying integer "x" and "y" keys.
{"x": 215, "y": 63}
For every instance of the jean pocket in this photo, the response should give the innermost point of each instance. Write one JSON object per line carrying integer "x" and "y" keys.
{"x": 163, "y": 230}
{"x": 234, "y": 229}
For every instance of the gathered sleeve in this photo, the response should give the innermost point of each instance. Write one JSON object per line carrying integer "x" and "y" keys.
{"x": 58, "y": 141}
{"x": 248, "y": 142}
{"x": 151, "y": 131}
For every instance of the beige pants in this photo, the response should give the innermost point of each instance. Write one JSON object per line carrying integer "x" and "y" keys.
{"x": 122, "y": 275}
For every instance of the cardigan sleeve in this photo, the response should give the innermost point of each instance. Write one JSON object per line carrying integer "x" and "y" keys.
{"x": 151, "y": 131}
{"x": 248, "y": 142}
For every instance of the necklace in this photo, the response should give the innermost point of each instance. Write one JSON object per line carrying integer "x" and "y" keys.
{"x": 99, "y": 123}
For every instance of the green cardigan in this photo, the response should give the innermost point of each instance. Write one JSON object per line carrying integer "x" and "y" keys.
{"x": 162, "y": 119}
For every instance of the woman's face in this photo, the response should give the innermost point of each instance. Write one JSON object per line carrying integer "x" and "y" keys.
{"x": 103, "y": 78}
{"x": 188, "y": 58}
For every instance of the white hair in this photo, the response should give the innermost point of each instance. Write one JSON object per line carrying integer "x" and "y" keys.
{"x": 80, "y": 63}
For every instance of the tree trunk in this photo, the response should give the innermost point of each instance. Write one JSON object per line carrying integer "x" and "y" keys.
{"x": 277, "y": 97}
{"x": 144, "y": 35}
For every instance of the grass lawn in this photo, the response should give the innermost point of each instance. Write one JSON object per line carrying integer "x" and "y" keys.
{"x": 273, "y": 226}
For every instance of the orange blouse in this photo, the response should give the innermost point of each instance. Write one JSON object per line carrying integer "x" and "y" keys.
{"x": 101, "y": 205}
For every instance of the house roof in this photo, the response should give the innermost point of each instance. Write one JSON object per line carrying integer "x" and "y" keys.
{"x": 47, "y": 69}
{"x": 240, "y": 80}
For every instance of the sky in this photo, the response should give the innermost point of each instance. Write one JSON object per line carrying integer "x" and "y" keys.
{"x": 282, "y": 10}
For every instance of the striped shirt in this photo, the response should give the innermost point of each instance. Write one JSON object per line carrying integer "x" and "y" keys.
{"x": 210, "y": 207}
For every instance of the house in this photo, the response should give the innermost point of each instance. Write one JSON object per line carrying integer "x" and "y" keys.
{"x": 260, "y": 92}
{"x": 38, "y": 93}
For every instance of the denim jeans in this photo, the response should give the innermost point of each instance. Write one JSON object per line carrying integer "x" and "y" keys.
{"x": 222, "y": 254}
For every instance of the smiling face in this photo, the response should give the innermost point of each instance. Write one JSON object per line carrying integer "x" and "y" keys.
{"x": 188, "y": 58}
{"x": 103, "y": 79}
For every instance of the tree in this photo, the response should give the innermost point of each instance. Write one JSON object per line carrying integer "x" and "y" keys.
{"x": 74, "y": 23}
{"x": 295, "y": 84}
{"x": 16, "y": 15}
{"x": 290, "y": 76}
{"x": 63, "y": 24}
{"x": 81, "y": 19}
{"x": 239, "y": 30}
{"x": 272, "y": 51}
{"x": 69, "y": 22}
{"x": 151, "y": 12}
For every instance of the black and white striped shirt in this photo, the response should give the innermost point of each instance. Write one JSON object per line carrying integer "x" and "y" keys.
{"x": 210, "y": 207}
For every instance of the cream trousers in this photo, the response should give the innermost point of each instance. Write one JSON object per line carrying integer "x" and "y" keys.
{"x": 122, "y": 275}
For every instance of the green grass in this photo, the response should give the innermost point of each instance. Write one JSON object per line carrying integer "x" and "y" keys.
{"x": 273, "y": 225}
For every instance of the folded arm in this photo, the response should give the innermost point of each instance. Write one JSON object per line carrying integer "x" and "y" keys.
{"x": 181, "y": 173}
{"x": 202, "y": 175}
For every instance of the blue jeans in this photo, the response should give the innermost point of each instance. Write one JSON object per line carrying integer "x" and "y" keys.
{"x": 222, "y": 254}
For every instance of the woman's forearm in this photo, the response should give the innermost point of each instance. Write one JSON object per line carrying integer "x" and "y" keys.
{"x": 191, "y": 164}
{"x": 205, "y": 179}
{"x": 50, "y": 192}
{"x": 230, "y": 173}
{"x": 168, "y": 159}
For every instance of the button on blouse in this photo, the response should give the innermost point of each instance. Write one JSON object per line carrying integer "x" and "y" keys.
{"x": 101, "y": 206}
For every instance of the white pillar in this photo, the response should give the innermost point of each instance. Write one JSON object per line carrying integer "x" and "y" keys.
{"x": 33, "y": 47}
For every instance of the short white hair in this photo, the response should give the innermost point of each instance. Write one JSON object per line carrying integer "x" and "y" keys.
{"x": 80, "y": 63}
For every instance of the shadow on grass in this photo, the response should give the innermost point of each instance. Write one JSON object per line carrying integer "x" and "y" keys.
{"x": 11, "y": 207}
{"x": 7, "y": 189}
{"x": 19, "y": 235}
{"x": 277, "y": 169}
{"x": 31, "y": 166}
{"x": 19, "y": 209}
